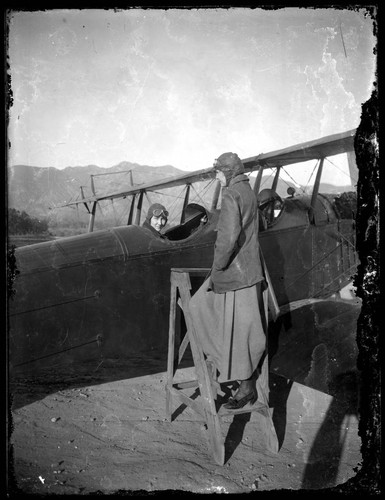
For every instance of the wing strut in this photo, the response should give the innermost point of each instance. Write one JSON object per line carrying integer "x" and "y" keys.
{"x": 92, "y": 217}
{"x": 139, "y": 208}
{"x": 131, "y": 214}
{"x": 315, "y": 191}
{"x": 258, "y": 180}
{"x": 185, "y": 203}
{"x": 275, "y": 181}
{"x": 82, "y": 196}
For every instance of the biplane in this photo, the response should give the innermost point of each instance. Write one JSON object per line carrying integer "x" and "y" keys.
{"x": 106, "y": 293}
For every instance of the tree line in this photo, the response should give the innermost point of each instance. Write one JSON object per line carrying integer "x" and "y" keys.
{"x": 22, "y": 223}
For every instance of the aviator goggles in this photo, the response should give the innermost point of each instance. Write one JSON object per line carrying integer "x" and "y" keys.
{"x": 157, "y": 212}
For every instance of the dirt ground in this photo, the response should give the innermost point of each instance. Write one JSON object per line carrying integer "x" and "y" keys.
{"x": 103, "y": 428}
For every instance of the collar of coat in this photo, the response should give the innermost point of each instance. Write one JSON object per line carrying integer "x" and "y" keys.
{"x": 147, "y": 225}
{"x": 238, "y": 178}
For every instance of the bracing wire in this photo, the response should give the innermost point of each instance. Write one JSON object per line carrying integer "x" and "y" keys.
{"x": 122, "y": 214}
{"x": 173, "y": 204}
{"x": 351, "y": 178}
{"x": 295, "y": 182}
{"x": 203, "y": 191}
{"x": 179, "y": 196}
{"x": 265, "y": 180}
{"x": 285, "y": 181}
{"x": 209, "y": 185}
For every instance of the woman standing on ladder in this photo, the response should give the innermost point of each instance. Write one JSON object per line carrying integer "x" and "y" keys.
{"x": 227, "y": 310}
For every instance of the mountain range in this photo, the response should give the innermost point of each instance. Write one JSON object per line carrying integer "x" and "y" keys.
{"x": 39, "y": 190}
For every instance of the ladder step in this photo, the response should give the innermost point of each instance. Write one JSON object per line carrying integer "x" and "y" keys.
{"x": 184, "y": 399}
{"x": 186, "y": 385}
{"x": 257, "y": 406}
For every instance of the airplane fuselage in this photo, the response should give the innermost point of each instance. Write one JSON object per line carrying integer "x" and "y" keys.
{"x": 107, "y": 293}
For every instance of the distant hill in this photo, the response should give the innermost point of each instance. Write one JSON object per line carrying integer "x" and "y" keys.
{"x": 38, "y": 191}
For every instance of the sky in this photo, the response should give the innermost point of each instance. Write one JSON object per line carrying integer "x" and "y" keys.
{"x": 180, "y": 87}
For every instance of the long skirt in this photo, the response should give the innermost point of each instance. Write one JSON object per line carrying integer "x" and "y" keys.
{"x": 230, "y": 329}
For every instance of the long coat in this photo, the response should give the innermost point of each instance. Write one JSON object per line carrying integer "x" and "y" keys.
{"x": 236, "y": 262}
{"x": 227, "y": 310}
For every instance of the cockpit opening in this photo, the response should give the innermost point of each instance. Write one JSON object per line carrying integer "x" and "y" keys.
{"x": 196, "y": 216}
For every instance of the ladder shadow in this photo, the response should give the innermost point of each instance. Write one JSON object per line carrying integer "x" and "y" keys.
{"x": 236, "y": 429}
{"x": 235, "y": 434}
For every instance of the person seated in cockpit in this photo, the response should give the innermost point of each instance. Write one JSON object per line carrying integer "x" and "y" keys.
{"x": 270, "y": 205}
{"x": 156, "y": 219}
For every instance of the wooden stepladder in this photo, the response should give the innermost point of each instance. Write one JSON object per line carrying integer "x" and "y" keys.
{"x": 206, "y": 406}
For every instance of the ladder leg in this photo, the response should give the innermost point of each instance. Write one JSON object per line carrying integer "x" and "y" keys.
{"x": 216, "y": 439}
{"x": 213, "y": 423}
{"x": 263, "y": 385}
{"x": 215, "y": 385}
{"x": 266, "y": 413}
{"x": 171, "y": 348}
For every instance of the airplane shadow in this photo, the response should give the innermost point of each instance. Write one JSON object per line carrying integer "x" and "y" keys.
{"x": 28, "y": 386}
{"x": 279, "y": 392}
{"x": 326, "y": 452}
{"x": 328, "y": 446}
{"x": 33, "y": 381}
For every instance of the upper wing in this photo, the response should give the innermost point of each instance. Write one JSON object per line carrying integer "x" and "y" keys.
{"x": 320, "y": 148}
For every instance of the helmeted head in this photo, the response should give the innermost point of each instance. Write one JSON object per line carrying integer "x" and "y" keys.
{"x": 193, "y": 210}
{"x": 266, "y": 196}
{"x": 270, "y": 204}
{"x": 157, "y": 216}
{"x": 230, "y": 164}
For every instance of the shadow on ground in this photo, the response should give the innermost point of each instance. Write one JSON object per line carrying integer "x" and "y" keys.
{"x": 326, "y": 451}
{"x": 26, "y": 387}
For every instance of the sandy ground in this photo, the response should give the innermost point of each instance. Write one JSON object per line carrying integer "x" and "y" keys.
{"x": 104, "y": 429}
